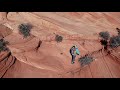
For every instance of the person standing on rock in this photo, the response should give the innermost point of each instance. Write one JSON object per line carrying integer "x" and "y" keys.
{"x": 74, "y": 51}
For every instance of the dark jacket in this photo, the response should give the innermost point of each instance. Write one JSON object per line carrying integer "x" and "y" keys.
{"x": 72, "y": 51}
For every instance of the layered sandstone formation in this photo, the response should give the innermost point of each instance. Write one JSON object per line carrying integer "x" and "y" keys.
{"x": 40, "y": 56}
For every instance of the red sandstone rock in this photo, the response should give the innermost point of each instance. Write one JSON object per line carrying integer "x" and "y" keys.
{"x": 39, "y": 55}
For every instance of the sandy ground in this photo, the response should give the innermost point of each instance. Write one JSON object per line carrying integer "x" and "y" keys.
{"x": 80, "y": 28}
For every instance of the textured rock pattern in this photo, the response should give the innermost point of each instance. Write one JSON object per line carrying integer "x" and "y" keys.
{"x": 39, "y": 56}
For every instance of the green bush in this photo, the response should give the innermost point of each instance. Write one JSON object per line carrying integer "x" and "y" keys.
{"x": 25, "y": 29}
{"x": 3, "y": 45}
{"x": 114, "y": 41}
{"x": 85, "y": 60}
{"x": 105, "y": 35}
{"x": 58, "y": 38}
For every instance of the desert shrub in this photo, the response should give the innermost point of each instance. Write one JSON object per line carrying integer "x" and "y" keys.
{"x": 58, "y": 38}
{"x": 3, "y": 45}
{"x": 103, "y": 42}
{"x": 114, "y": 41}
{"x": 85, "y": 60}
{"x": 105, "y": 35}
{"x": 25, "y": 29}
{"x": 118, "y": 30}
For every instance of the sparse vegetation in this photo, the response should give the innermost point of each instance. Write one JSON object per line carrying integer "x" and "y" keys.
{"x": 114, "y": 41}
{"x": 103, "y": 42}
{"x": 85, "y": 60}
{"x": 118, "y": 30}
{"x": 25, "y": 29}
{"x": 3, "y": 45}
{"x": 104, "y": 35}
{"x": 58, "y": 38}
